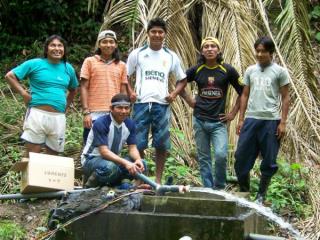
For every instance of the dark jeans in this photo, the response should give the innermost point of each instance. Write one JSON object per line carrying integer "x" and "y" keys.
{"x": 257, "y": 136}
{"x": 107, "y": 172}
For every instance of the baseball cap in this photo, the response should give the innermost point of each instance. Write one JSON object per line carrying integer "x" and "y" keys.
{"x": 210, "y": 39}
{"x": 107, "y": 33}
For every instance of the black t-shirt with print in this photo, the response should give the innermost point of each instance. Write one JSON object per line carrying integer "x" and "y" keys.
{"x": 213, "y": 83}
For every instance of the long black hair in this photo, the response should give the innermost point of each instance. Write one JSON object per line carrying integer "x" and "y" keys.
{"x": 49, "y": 40}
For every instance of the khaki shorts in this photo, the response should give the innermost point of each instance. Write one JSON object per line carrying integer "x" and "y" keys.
{"x": 42, "y": 127}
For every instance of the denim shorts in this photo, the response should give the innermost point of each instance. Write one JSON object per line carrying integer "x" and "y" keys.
{"x": 157, "y": 117}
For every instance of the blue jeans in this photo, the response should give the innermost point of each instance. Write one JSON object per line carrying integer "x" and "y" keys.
{"x": 107, "y": 172}
{"x": 208, "y": 134}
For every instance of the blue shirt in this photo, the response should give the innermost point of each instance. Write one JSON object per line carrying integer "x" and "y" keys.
{"x": 103, "y": 133}
{"x": 48, "y": 82}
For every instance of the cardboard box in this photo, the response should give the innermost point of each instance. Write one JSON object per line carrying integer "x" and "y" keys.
{"x": 45, "y": 173}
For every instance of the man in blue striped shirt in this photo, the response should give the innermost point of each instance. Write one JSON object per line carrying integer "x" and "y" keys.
{"x": 101, "y": 158}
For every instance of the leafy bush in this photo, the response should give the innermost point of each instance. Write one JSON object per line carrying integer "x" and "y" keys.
{"x": 22, "y": 22}
{"x": 315, "y": 19}
{"x": 11, "y": 231}
{"x": 288, "y": 191}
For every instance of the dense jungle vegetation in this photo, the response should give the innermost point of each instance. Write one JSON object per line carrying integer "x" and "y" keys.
{"x": 24, "y": 25}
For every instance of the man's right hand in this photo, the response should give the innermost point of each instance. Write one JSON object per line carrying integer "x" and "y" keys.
{"x": 87, "y": 121}
{"x": 239, "y": 126}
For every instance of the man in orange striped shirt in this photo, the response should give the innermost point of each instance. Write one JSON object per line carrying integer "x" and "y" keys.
{"x": 102, "y": 76}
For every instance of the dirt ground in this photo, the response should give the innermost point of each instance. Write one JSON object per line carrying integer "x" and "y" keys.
{"x": 31, "y": 215}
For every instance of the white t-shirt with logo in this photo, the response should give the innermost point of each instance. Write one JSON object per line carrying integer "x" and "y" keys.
{"x": 152, "y": 70}
{"x": 265, "y": 98}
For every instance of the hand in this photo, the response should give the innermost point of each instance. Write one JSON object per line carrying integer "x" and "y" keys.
{"x": 139, "y": 165}
{"x": 87, "y": 121}
{"x": 239, "y": 127}
{"x": 133, "y": 97}
{"x": 132, "y": 168}
{"x": 26, "y": 98}
{"x": 171, "y": 97}
{"x": 226, "y": 117}
{"x": 281, "y": 130}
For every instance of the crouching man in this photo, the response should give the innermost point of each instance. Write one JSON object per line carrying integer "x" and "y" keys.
{"x": 100, "y": 158}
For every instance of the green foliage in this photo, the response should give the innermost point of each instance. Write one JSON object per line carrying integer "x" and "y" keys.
{"x": 77, "y": 53}
{"x": 288, "y": 190}
{"x": 315, "y": 20}
{"x": 10, "y": 183}
{"x": 11, "y": 231}
{"x": 10, "y": 121}
{"x": 23, "y": 22}
{"x": 315, "y": 13}
{"x": 177, "y": 166}
{"x": 318, "y": 36}
{"x": 11, "y": 148}
{"x": 10, "y": 154}
{"x": 74, "y": 131}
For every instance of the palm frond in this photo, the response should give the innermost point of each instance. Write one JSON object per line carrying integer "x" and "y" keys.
{"x": 125, "y": 12}
{"x": 92, "y": 5}
{"x": 294, "y": 28}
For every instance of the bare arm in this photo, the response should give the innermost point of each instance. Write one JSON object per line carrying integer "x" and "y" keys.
{"x": 16, "y": 86}
{"x": 107, "y": 154}
{"x": 84, "y": 86}
{"x": 231, "y": 115}
{"x": 179, "y": 87}
{"x": 285, "y": 98}
{"x": 124, "y": 88}
{"x": 243, "y": 106}
{"x": 131, "y": 93}
{"x": 189, "y": 100}
{"x": 135, "y": 155}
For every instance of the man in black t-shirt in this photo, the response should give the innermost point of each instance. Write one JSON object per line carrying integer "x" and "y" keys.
{"x": 213, "y": 78}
